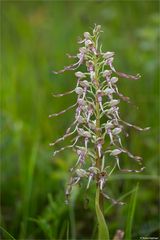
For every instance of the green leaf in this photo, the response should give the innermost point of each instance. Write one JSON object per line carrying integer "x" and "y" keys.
{"x": 103, "y": 232}
{"x": 131, "y": 211}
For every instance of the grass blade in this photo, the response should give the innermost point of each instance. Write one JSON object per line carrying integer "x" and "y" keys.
{"x": 67, "y": 233}
{"x": 134, "y": 176}
{"x": 7, "y": 234}
{"x": 119, "y": 200}
{"x": 28, "y": 189}
{"x": 131, "y": 211}
{"x": 103, "y": 232}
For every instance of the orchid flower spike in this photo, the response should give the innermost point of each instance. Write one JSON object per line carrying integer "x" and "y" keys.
{"x": 97, "y": 97}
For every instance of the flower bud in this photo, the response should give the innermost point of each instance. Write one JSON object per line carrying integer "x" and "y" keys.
{"x": 99, "y": 95}
{"x": 89, "y": 179}
{"x": 79, "y": 152}
{"x": 114, "y": 79}
{"x": 107, "y": 73}
{"x": 80, "y": 120}
{"x": 109, "y": 91}
{"x": 97, "y": 29}
{"x": 108, "y": 55}
{"x": 83, "y": 133}
{"x": 90, "y": 66}
{"x": 112, "y": 110}
{"x": 79, "y": 90}
{"x": 81, "y": 102}
{"x": 115, "y": 152}
{"x": 81, "y": 173}
{"x": 109, "y": 61}
{"x": 90, "y": 108}
{"x": 92, "y": 126}
{"x": 85, "y": 108}
{"x": 99, "y": 148}
{"x": 114, "y": 102}
{"x": 109, "y": 125}
{"x": 116, "y": 131}
{"x": 88, "y": 43}
{"x": 80, "y": 74}
{"x": 89, "y": 113}
{"x": 84, "y": 83}
{"x": 99, "y": 144}
{"x": 102, "y": 182}
{"x": 87, "y": 35}
{"x": 93, "y": 170}
{"x": 80, "y": 131}
{"x": 87, "y": 134}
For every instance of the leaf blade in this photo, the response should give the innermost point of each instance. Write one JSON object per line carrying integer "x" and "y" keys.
{"x": 103, "y": 232}
{"x": 131, "y": 211}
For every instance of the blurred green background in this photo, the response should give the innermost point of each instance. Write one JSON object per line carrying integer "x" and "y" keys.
{"x": 35, "y": 37}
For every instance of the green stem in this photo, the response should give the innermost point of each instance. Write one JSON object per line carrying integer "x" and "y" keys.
{"x": 98, "y": 125}
{"x": 103, "y": 232}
